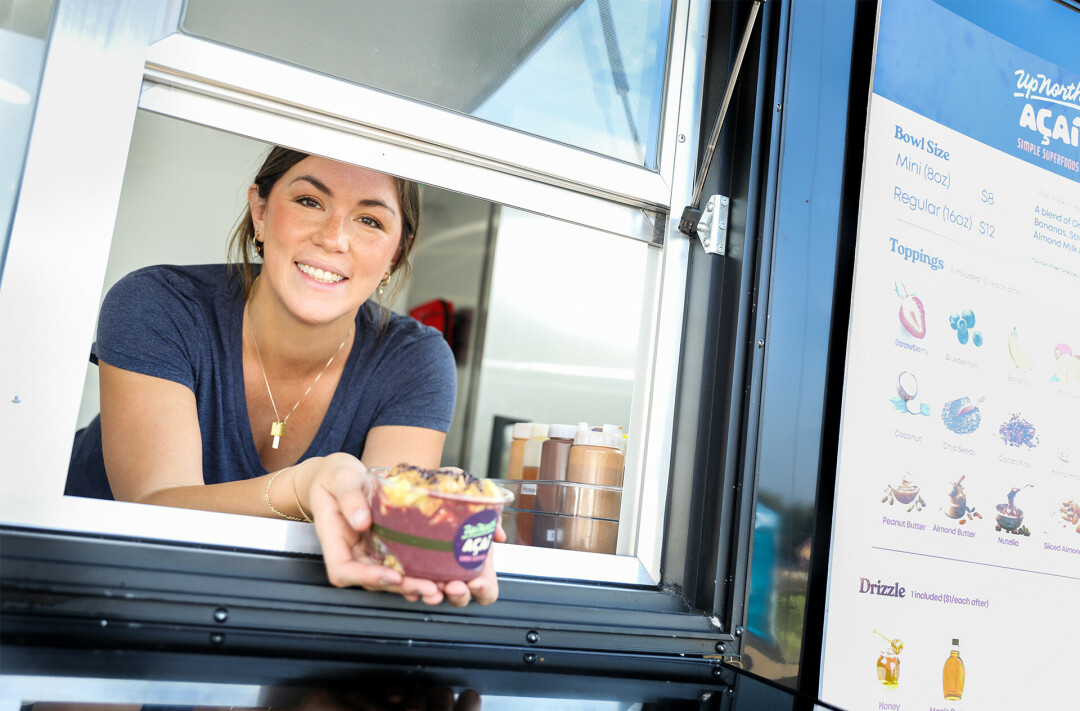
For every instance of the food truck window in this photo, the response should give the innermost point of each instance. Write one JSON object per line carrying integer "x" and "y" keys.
{"x": 588, "y": 73}
{"x": 567, "y": 288}
{"x": 544, "y": 317}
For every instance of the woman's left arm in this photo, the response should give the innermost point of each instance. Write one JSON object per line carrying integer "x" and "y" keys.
{"x": 387, "y": 446}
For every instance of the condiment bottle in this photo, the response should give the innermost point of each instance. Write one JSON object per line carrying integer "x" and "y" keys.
{"x": 593, "y": 512}
{"x": 555, "y": 452}
{"x": 554, "y": 458}
{"x": 519, "y": 435}
{"x": 617, "y": 431}
{"x": 530, "y": 470}
{"x": 531, "y": 464}
{"x": 952, "y": 676}
{"x": 596, "y": 458}
{"x": 612, "y": 429}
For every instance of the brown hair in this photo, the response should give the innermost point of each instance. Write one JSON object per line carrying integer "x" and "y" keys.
{"x": 241, "y": 246}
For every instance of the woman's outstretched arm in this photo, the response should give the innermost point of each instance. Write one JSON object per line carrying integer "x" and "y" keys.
{"x": 153, "y": 455}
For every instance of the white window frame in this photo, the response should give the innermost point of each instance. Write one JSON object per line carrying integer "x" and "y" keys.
{"x": 99, "y": 61}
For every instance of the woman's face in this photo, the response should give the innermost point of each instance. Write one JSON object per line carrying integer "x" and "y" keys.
{"x": 330, "y": 232}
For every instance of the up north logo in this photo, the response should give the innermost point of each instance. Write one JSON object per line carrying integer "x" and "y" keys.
{"x": 1049, "y": 120}
{"x": 869, "y": 588}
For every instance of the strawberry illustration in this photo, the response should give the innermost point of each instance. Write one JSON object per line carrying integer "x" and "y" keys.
{"x": 912, "y": 313}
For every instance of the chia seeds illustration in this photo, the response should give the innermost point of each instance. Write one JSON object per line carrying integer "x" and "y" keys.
{"x": 961, "y": 415}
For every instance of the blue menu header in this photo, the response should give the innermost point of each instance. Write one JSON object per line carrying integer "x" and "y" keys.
{"x": 941, "y": 66}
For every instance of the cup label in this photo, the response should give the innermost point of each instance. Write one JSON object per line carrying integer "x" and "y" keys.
{"x": 473, "y": 539}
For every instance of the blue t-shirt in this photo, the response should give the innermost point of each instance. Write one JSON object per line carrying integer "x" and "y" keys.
{"x": 185, "y": 324}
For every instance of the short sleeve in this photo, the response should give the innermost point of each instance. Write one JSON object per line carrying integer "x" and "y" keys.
{"x": 420, "y": 383}
{"x": 147, "y": 324}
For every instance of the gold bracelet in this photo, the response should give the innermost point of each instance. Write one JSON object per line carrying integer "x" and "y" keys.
{"x": 266, "y": 495}
{"x": 296, "y": 470}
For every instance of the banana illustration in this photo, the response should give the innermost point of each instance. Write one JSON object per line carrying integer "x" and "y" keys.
{"x": 1018, "y": 355}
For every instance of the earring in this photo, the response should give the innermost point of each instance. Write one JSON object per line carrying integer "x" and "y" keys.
{"x": 257, "y": 244}
{"x": 383, "y": 283}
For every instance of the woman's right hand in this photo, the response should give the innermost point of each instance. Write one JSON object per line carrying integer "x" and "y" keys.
{"x": 338, "y": 490}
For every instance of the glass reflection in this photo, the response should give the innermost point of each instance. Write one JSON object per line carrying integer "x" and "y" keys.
{"x": 779, "y": 576}
{"x": 24, "y": 27}
{"x": 588, "y": 73}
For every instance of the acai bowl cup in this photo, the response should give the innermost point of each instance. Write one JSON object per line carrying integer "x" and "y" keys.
{"x": 436, "y": 524}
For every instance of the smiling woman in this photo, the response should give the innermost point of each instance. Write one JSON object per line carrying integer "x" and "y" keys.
{"x": 259, "y": 388}
{"x": 387, "y": 207}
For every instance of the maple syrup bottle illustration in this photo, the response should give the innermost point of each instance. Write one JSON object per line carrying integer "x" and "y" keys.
{"x": 952, "y": 676}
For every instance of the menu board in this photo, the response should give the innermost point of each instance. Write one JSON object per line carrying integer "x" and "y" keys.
{"x": 955, "y": 561}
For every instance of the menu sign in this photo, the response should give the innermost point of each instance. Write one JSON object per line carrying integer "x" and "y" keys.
{"x": 955, "y": 563}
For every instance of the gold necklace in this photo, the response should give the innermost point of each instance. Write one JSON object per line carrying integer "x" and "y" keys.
{"x": 277, "y": 429}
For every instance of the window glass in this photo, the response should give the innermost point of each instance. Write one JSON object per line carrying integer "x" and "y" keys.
{"x": 588, "y": 73}
{"x": 24, "y": 27}
{"x": 544, "y": 317}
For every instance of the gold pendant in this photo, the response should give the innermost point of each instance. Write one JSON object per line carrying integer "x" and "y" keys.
{"x": 277, "y": 431}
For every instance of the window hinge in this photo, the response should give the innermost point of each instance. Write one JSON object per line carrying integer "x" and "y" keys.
{"x": 712, "y": 223}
